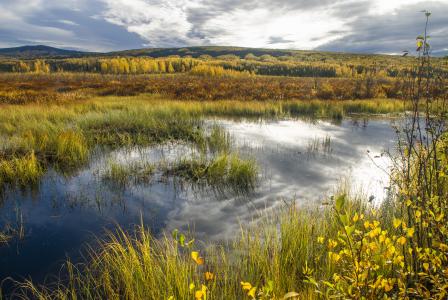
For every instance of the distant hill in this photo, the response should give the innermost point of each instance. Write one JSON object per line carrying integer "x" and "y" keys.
{"x": 40, "y": 51}
{"x": 205, "y": 50}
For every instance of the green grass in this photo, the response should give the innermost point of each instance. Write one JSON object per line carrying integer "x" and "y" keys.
{"x": 63, "y": 136}
{"x": 278, "y": 248}
{"x": 223, "y": 172}
{"x": 219, "y": 140}
{"x": 121, "y": 175}
{"x": 23, "y": 171}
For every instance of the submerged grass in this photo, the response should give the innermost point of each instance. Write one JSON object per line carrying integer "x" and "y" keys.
{"x": 4, "y": 238}
{"x": 219, "y": 140}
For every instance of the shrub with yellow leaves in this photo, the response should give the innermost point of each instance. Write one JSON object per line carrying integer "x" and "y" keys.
{"x": 366, "y": 257}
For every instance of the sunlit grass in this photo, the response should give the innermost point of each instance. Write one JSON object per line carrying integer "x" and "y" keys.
{"x": 282, "y": 248}
{"x": 225, "y": 171}
{"x": 63, "y": 136}
{"x": 123, "y": 174}
{"x": 21, "y": 171}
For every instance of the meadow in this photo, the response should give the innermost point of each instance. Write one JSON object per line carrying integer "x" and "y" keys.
{"x": 57, "y": 114}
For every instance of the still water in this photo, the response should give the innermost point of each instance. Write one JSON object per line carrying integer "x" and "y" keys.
{"x": 298, "y": 160}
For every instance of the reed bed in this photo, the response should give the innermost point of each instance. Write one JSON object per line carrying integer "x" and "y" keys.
{"x": 223, "y": 172}
{"x": 122, "y": 175}
{"x": 276, "y": 255}
{"x": 63, "y": 136}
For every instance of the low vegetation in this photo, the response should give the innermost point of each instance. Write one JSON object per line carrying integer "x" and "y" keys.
{"x": 345, "y": 248}
{"x": 17, "y": 88}
{"x": 121, "y": 175}
{"x": 223, "y": 172}
{"x": 39, "y": 137}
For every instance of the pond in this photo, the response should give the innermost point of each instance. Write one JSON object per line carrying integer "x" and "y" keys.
{"x": 298, "y": 160}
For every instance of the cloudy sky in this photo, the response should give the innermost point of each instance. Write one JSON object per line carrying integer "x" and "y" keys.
{"x": 373, "y": 26}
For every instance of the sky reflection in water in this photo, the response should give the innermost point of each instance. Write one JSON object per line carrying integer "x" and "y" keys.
{"x": 65, "y": 213}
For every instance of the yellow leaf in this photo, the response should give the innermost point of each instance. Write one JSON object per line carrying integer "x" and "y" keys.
{"x": 366, "y": 224}
{"x": 332, "y": 243}
{"x": 209, "y": 276}
{"x": 320, "y": 239}
{"x": 401, "y": 240}
{"x": 201, "y": 294}
{"x": 397, "y": 222}
{"x": 246, "y": 285}
{"x": 410, "y": 232}
{"x": 198, "y": 295}
{"x": 192, "y": 287}
{"x": 291, "y": 295}
{"x": 195, "y": 256}
{"x": 418, "y": 214}
{"x": 334, "y": 256}
{"x": 426, "y": 266}
{"x": 251, "y": 292}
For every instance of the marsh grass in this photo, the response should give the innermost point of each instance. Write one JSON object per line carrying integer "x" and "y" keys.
{"x": 121, "y": 175}
{"x": 319, "y": 145}
{"x": 63, "y": 136}
{"x": 281, "y": 247}
{"x": 4, "y": 238}
{"x": 20, "y": 171}
{"x": 219, "y": 140}
{"x": 223, "y": 172}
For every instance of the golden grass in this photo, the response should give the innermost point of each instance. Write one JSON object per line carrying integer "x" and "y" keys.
{"x": 63, "y": 135}
{"x": 278, "y": 250}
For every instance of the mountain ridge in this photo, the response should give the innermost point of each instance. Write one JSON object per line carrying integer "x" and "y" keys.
{"x": 43, "y": 51}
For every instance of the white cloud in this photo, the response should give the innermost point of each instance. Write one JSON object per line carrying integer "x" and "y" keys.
{"x": 381, "y": 7}
{"x": 297, "y": 24}
{"x": 68, "y": 22}
{"x": 171, "y": 23}
{"x": 166, "y": 23}
{"x": 162, "y": 23}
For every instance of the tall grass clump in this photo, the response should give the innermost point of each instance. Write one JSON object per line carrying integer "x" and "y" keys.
{"x": 122, "y": 175}
{"x": 71, "y": 148}
{"x": 219, "y": 140}
{"x": 144, "y": 126}
{"x": 21, "y": 171}
{"x": 223, "y": 172}
{"x": 242, "y": 174}
{"x": 127, "y": 267}
{"x": 274, "y": 256}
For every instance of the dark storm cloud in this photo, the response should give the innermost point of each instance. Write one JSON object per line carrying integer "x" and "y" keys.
{"x": 393, "y": 33}
{"x": 65, "y": 26}
{"x": 101, "y": 25}
{"x": 350, "y": 9}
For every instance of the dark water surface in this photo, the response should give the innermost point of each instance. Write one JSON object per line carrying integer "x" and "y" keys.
{"x": 298, "y": 160}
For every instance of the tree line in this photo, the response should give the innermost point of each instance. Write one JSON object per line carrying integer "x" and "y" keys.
{"x": 206, "y": 65}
